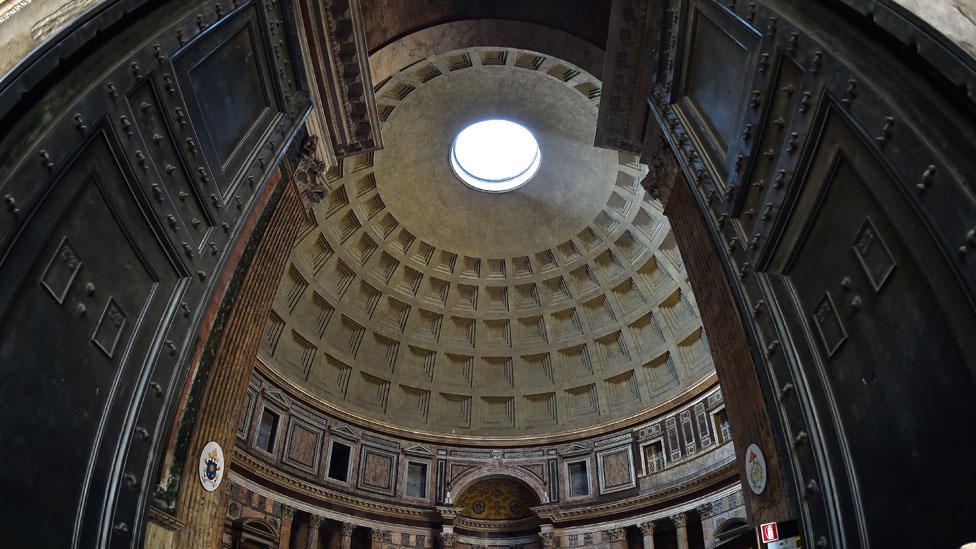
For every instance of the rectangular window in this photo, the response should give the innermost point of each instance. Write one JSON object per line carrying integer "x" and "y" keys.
{"x": 417, "y": 480}
{"x": 267, "y": 431}
{"x": 339, "y": 461}
{"x": 722, "y": 428}
{"x": 654, "y": 456}
{"x": 579, "y": 480}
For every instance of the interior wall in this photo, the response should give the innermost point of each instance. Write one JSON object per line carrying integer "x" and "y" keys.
{"x": 131, "y": 187}
{"x": 730, "y": 349}
{"x": 828, "y": 165}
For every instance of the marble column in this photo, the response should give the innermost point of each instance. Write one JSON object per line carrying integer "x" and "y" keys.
{"x": 376, "y": 538}
{"x": 347, "y": 529}
{"x": 647, "y": 531}
{"x": 314, "y": 523}
{"x": 284, "y": 533}
{"x": 681, "y": 529}
{"x": 707, "y": 524}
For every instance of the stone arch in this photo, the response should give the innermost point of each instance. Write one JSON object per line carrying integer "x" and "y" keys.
{"x": 470, "y": 33}
{"x": 729, "y": 524}
{"x": 469, "y": 477}
{"x": 256, "y": 530}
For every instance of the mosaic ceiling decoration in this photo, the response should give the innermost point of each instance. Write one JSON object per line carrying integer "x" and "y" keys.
{"x": 496, "y": 499}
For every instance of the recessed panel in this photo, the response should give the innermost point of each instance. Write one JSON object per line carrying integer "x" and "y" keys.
{"x": 84, "y": 293}
{"x": 229, "y": 94}
{"x": 228, "y": 86}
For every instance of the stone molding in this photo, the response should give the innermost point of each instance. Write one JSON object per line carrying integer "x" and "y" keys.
{"x": 549, "y": 539}
{"x": 627, "y": 75}
{"x": 333, "y": 44}
{"x": 705, "y": 510}
{"x": 465, "y": 479}
{"x": 550, "y": 513}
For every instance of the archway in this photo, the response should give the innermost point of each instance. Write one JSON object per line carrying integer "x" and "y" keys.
{"x": 463, "y": 481}
{"x": 831, "y": 119}
{"x": 254, "y": 534}
{"x": 730, "y": 528}
{"x": 496, "y": 508}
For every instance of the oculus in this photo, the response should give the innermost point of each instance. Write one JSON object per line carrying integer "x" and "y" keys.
{"x": 495, "y": 156}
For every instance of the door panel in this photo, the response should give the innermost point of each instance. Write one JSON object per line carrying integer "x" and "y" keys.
{"x": 880, "y": 326}
{"x": 720, "y": 49}
{"x": 126, "y": 184}
{"x": 227, "y": 89}
{"x": 93, "y": 278}
{"x": 845, "y": 224}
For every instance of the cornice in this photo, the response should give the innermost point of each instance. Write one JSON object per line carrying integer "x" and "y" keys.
{"x": 320, "y": 497}
{"x": 626, "y": 75}
{"x": 478, "y": 525}
{"x": 642, "y": 502}
{"x": 333, "y": 45}
{"x": 355, "y": 504}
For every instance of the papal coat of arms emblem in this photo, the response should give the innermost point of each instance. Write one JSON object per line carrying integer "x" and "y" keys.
{"x": 211, "y": 466}
{"x": 755, "y": 469}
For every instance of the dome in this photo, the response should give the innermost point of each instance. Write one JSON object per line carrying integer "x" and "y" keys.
{"x": 420, "y": 304}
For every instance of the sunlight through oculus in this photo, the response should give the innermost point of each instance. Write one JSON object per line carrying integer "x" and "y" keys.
{"x": 495, "y": 156}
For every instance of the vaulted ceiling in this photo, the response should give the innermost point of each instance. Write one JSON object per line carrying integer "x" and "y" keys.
{"x": 388, "y": 20}
{"x": 500, "y": 498}
{"x": 420, "y": 304}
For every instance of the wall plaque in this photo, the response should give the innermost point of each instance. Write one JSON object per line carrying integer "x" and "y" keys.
{"x": 755, "y": 469}
{"x": 211, "y": 466}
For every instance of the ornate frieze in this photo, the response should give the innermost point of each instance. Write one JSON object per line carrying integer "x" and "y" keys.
{"x": 334, "y": 48}
{"x": 309, "y": 175}
{"x": 626, "y": 76}
{"x": 549, "y": 539}
{"x": 705, "y": 510}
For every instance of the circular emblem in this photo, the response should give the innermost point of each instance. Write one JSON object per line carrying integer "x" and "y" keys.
{"x": 211, "y": 466}
{"x": 755, "y": 469}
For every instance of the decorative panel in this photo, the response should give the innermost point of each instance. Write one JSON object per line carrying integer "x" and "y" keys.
{"x": 92, "y": 282}
{"x": 496, "y": 499}
{"x": 303, "y": 445}
{"x": 230, "y": 97}
{"x": 377, "y": 471}
{"x": 616, "y": 469}
{"x": 718, "y": 55}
